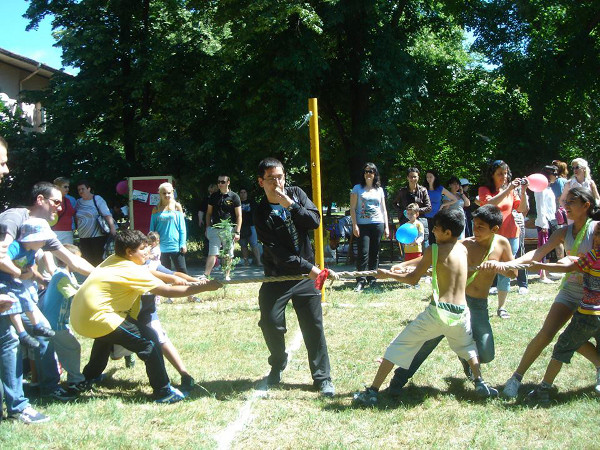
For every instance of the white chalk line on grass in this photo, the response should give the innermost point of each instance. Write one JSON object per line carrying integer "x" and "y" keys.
{"x": 225, "y": 437}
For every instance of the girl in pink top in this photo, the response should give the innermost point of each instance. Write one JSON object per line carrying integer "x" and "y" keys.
{"x": 500, "y": 191}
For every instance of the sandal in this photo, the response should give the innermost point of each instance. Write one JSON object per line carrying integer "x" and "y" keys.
{"x": 502, "y": 313}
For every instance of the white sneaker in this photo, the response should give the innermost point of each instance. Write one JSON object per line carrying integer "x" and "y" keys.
{"x": 227, "y": 278}
{"x": 546, "y": 281}
{"x": 493, "y": 290}
{"x": 511, "y": 388}
{"x": 523, "y": 291}
{"x": 30, "y": 416}
{"x": 554, "y": 276}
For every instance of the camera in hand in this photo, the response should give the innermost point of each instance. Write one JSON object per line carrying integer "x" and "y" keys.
{"x": 524, "y": 181}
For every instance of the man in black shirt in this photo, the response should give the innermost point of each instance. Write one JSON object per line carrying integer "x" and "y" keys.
{"x": 283, "y": 220}
{"x": 222, "y": 205}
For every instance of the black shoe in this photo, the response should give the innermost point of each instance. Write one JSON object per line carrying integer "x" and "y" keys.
{"x": 29, "y": 342}
{"x": 274, "y": 377}
{"x": 130, "y": 361}
{"x": 187, "y": 383}
{"x": 372, "y": 283}
{"x": 359, "y": 287}
{"x": 41, "y": 330}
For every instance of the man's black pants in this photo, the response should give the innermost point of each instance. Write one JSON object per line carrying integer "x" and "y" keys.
{"x": 306, "y": 299}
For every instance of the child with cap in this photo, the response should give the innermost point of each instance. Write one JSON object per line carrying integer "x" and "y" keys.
{"x": 17, "y": 277}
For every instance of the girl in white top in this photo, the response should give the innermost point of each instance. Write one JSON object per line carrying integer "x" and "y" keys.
{"x": 581, "y": 178}
{"x": 369, "y": 222}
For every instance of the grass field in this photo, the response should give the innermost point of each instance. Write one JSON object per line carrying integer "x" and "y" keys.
{"x": 223, "y": 347}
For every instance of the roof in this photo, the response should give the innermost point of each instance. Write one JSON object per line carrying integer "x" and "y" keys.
{"x": 27, "y": 64}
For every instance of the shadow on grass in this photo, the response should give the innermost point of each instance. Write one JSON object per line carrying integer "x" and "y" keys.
{"x": 222, "y": 390}
{"x": 556, "y": 398}
{"x": 413, "y": 395}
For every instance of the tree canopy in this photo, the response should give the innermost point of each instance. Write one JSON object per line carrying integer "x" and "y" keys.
{"x": 197, "y": 88}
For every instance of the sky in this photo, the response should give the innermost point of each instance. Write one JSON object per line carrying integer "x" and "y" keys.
{"x": 34, "y": 44}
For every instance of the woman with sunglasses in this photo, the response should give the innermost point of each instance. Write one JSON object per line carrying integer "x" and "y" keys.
{"x": 369, "y": 222}
{"x": 500, "y": 190}
{"x": 65, "y": 221}
{"x": 581, "y": 178}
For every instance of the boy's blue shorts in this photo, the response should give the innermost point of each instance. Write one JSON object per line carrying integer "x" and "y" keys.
{"x": 23, "y": 292}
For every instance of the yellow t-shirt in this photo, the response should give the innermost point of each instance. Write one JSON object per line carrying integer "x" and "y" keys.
{"x": 105, "y": 298}
{"x": 414, "y": 247}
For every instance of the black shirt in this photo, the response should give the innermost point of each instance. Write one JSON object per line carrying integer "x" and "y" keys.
{"x": 224, "y": 206}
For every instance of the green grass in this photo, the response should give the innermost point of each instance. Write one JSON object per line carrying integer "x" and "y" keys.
{"x": 223, "y": 347}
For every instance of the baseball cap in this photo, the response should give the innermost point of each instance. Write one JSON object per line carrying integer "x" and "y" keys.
{"x": 464, "y": 182}
{"x": 35, "y": 229}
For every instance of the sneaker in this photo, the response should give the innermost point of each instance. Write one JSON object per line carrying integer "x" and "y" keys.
{"x": 546, "y": 281}
{"x": 274, "y": 377}
{"x": 130, "y": 361}
{"x": 554, "y": 276}
{"x": 597, "y": 387}
{"x": 169, "y": 301}
{"x": 493, "y": 291}
{"x": 30, "y": 416}
{"x": 78, "y": 388}
{"x": 368, "y": 397}
{"x": 61, "y": 395}
{"x": 484, "y": 390}
{"x": 372, "y": 283}
{"x": 539, "y": 396}
{"x": 523, "y": 290}
{"x": 359, "y": 287}
{"x": 29, "y": 341}
{"x": 467, "y": 369}
{"x": 40, "y": 330}
{"x": 187, "y": 383}
{"x": 511, "y": 388}
{"x": 227, "y": 278}
{"x": 173, "y": 395}
{"x": 326, "y": 388}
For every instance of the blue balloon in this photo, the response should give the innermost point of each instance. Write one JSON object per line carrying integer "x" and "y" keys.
{"x": 407, "y": 233}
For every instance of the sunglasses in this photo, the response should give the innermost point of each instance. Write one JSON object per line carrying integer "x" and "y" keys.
{"x": 369, "y": 171}
{"x": 577, "y": 167}
{"x": 54, "y": 201}
{"x": 222, "y": 181}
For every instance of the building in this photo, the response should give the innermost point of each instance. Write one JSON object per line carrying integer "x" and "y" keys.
{"x": 18, "y": 74}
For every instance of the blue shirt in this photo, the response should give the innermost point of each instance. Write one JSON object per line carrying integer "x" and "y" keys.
{"x": 558, "y": 187}
{"x": 56, "y": 302}
{"x": 436, "y": 201}
{"x": 170, "y": 225}
{"x": 19, "y": 256}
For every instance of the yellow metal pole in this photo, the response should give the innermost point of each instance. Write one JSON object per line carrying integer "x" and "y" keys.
{"x": 315, "y": 176}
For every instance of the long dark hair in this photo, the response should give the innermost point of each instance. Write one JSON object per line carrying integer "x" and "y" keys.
{"x": 489, "y": 182}
{"x": 373, "y": 167}
{"x": 585, "y": 195}
{"x": 436, "y": 179}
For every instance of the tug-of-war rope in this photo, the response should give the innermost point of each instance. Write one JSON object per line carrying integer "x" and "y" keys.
{"x": 326, "y": 274}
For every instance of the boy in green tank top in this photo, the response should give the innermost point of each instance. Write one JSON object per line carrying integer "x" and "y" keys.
{"x": 447, "y": 314}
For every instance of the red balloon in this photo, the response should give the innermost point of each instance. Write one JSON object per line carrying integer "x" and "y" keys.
{"x": 122, "y": 187}
{"x": 537, "y": 182}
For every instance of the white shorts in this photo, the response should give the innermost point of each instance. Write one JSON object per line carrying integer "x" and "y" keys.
{"x": 426, "y": 326}
{"x": 216, "y": 238}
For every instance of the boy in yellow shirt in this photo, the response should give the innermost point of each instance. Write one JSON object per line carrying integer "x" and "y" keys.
{"x": 101, "y": 310}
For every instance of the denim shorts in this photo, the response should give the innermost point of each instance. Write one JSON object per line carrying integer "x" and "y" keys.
{"x": 580, "y": 330}
{"x": 570, "y": 296}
